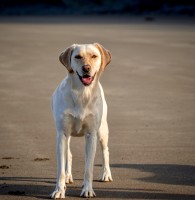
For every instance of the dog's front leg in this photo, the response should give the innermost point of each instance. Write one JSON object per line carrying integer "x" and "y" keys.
{"x": 60, "y": 189}
{"x": 68, "y": 168}
{"x": 103, "y": 138}
{"x": 91, "y": 142}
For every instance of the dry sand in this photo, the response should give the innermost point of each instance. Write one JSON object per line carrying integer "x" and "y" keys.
{"x": 150, "y": 90}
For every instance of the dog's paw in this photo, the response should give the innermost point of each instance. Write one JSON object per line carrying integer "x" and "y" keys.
{"x": 69, "y": 179}
{"x": 58, "y": 194}
{"x": 87, "y": 191}
{"x": 106, "y": 176}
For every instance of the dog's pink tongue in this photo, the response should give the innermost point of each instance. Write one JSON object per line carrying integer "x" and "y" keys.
{"x": 87, "y": 80}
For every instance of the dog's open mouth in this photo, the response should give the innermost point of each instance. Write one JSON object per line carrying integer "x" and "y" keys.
{"x": 86, "y": 79}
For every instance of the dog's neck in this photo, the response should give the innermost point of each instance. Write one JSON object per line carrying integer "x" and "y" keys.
{"x": 83, "y": 95}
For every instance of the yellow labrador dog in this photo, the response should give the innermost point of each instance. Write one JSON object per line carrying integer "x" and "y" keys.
{"x": 79, "y": 109}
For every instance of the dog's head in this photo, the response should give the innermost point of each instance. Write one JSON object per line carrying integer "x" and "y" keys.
{"x": 87, "y": 61}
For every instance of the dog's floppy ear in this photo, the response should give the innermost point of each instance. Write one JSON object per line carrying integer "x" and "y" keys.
{"x": 106, "y": 56}
{"x": 65, "y": 58}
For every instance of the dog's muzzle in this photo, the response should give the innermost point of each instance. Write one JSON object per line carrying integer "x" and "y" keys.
{"x": 86, "y": 79}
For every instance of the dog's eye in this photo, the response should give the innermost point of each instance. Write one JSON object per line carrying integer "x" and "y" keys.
{"x": 94, "y": 56}
{"x": 78, "y": 56}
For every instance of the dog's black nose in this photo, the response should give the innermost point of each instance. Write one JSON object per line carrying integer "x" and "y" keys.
{"x": 86, "y": 68}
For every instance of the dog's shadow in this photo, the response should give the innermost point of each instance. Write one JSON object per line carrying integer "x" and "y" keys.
{"x": 26, "y": 186}
{"x": 182, "y": 175}
{"x": 164, "y": 173}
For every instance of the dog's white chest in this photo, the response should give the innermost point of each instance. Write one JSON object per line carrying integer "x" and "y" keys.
{"x": 79, "y": 123}
{"x": 78, "y": 128}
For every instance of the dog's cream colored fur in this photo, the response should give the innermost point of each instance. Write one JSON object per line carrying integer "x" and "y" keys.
{"x": 81, "y": 110}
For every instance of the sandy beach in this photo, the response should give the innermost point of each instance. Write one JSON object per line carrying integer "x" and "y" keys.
{"x": 150, "y": 91}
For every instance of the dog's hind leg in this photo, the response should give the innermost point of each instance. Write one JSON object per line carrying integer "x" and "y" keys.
{"x": 103, "y": 138}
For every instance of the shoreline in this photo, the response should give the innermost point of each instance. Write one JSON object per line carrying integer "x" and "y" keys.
{"x": 100, "y": 19}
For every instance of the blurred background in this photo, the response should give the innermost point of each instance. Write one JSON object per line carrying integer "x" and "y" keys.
{"x": 69, "y": 7}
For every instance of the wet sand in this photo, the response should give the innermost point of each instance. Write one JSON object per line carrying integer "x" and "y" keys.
{"x": 150, "y": 91}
